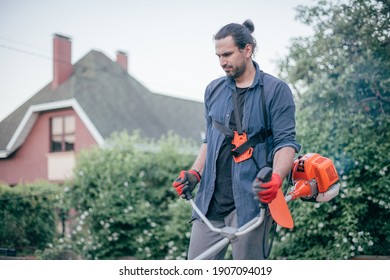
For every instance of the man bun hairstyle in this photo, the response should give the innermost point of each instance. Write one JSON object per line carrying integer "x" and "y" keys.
{"x": 249, "y": 24}
{"x": 241, "y": 34}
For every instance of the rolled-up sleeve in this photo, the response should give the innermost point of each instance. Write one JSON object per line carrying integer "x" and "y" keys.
{"x": 282, "y": 112}
{"x": 208, "y": 120}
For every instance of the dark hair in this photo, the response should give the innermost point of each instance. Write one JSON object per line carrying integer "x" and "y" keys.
{"x": 241, "y": 34}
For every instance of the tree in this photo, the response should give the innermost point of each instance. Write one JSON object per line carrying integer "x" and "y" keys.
{"x": 341, "y": 76}
{"x": 28, "y": 214}
{"x": 125, "y": 200}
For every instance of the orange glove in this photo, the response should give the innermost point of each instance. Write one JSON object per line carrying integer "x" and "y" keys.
{"x": 266, "y": 192}
{"x": 186, "y": 182}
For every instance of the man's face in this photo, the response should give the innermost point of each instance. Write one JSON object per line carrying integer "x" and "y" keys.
{"x": 231, "y": 59}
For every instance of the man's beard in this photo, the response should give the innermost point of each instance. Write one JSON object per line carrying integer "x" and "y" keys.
{"x": 236, "y": 72}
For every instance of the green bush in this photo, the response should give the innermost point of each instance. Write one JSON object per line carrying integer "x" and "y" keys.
{"x": 28, "y": 216}
{"x": 355, "y": 222}
{"x": 125, "y": 200}
{"x": 342, "y": 79}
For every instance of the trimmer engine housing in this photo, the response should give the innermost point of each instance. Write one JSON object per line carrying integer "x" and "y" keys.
{"x": 314, "y": 178}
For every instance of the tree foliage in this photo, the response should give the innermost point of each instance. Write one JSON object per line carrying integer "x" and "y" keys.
{"x": 125, "y": 200}
{"x": 28, "y": 215}
{"x": 341, "y": 76}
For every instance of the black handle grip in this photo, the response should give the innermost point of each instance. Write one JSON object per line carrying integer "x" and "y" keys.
{"x": 264, "y": 175}
{"x": 187, "y": 193}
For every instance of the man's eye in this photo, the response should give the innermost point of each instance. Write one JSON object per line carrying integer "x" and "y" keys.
{"x": 224, "y": 55}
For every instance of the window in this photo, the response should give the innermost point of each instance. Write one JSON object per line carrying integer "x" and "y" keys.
{"x": 62, "y": 133}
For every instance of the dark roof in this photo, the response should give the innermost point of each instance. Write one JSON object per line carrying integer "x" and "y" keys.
{"x": 114, "y": 101}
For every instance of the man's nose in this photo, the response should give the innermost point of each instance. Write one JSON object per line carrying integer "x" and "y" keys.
{"x": 222, "y": 61}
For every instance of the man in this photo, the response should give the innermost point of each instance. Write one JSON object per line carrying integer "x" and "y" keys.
{"x": 234, "y": 112}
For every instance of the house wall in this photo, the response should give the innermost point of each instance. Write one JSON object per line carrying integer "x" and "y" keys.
{"x": 31, "y": 161}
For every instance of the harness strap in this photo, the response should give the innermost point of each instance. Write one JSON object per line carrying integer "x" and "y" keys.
{"x": 223, "y": 129}
{"x": 258, "y": 138}
{"x": 236, "y": 113}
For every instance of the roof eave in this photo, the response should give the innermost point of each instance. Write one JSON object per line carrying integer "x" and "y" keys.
{"x": 31, "y": 116}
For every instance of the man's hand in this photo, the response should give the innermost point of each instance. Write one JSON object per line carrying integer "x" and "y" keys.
{"x": 186, "y": 182}
{"x": 266, "y": 191}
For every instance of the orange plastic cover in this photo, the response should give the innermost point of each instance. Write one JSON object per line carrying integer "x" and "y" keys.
{"x": 314, "y": 166}
{"x": 238, "y": 140}
{"x": 280, "y": 211}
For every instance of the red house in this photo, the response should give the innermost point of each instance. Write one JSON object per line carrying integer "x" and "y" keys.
{"x": 83, "y": 105}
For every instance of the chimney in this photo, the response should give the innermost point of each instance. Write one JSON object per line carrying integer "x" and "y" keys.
{"x": 121, "y": 59}
{"x": 62, "y": 56}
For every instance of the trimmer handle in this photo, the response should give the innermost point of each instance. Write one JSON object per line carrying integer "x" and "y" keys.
{"x": 187, "y": 194}
{"x": 264, "y": 175}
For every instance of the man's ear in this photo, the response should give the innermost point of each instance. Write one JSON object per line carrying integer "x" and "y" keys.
{"x": 248, "y": 51}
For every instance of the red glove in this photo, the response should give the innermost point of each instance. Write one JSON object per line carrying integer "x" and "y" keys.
{"x": 266, "y": 192}
{"x": 187, "y": 181}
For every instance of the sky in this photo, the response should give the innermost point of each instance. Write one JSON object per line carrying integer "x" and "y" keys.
{"x": 169, "y": 42}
